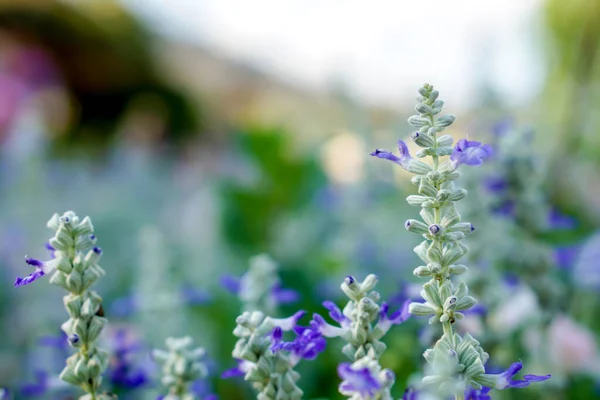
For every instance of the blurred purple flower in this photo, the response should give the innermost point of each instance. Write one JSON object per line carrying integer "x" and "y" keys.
{"x": 495, "y": 184}
{"x": 284, "y": 296}
{"x": 560, "y": 221}
{"x": 280, "y": 295}
{"x": 39, "y": 388}
{"x": 230, "y": 283}
{"x": 502, "y": 126}
{"x": 123, "y": 371}
{"x": 410, "y": 394}
{"x": 470, "y": 153}
{"x": 478, "y": 394}
{"x": 360, "y": 381}
{"x": 565, "y": 257}
{"x": 240, "y": 370}
{"x": 194, "y": 297}
{"x": 404, "y": 159}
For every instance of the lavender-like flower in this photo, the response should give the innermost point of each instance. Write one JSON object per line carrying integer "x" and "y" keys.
{"x": 362, "y": 324}
{"x": 457, "y": 362}
{"x": 470, "y": 153}
{"x": 75, "y": 268}
{"x": 260, "y": 357}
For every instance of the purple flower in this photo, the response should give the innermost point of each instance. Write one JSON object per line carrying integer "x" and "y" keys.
{"x": 319, "y": 324}
{"x": 357, "y": 381}
{"x": 242, "y": 368}
{"x": 504, "y": 380}
{"x": 193, "y": 296}
{"x": 560, "y": 221}
{"x": 230, "y": 283}
{"x": 495, "y": 184}
{"x": 398, "y": 317}
{"x": 478, "y": 394}
{"x": 307, "y": 344}
{"x": 124, "y": 372}
{"x": 39, "y": 388}
{"x": 404, "y": 159}
{"x": 410, "y": 394}
{"x": 565, "y": 257}
{"x": 41, "y": 268}
{"x": 470, "y": 153}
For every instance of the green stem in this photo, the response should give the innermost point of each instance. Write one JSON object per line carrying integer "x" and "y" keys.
{"x": 447, "y": 326}
{"x": 459, "y": 396}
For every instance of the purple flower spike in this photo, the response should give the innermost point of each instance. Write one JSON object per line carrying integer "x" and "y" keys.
{"x": 360, "y": 381}
{"x": 504, "y": 380}
{"x": 404, "y": 159}
{"x": 470, "y": 153}
{"x": 478, "y": 394}
{"x": 398, "y": 317}
{"x": 230, "y": 283}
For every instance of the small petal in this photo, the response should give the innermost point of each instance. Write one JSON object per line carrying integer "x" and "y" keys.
{"x": 319, "y": 324}
{"x": 287, "y": 324}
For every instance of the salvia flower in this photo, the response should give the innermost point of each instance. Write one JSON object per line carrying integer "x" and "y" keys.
{"x": 470, "y": 153}
{"x": 307, "y": 344}
{"x": 75, "y": 268}
{"x": 357, "y": 381}
{"x": 505, "y": 381}
{"x": 259, "y": 356}
{"x": 41, "y": 268}
{"x": 403, "y": 160}
{"x": 386, "y": 322}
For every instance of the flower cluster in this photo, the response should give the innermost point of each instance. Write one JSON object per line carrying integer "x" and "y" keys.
{"x": 362, "y": 324}
{"x": 261, "y": 360}
{"x": 457, "y": 362}
{"x": 74, "y": 267}
{"x": 181, "y": 366}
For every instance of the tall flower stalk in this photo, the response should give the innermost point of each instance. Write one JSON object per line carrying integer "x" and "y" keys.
{"x": 74, "y": 267}
{"x": 457, "y": 362}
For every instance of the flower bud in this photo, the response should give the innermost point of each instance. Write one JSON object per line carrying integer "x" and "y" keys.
{"x": 445, "y": 120}
{"x": 422, "y": 139}
{"x": 412, "y": 225}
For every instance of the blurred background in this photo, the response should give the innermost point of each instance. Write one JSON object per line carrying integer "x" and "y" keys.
{"x": 197, "y": 134}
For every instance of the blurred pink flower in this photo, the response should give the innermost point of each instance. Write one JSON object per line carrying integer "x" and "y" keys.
{"x": 573, "y": 346}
